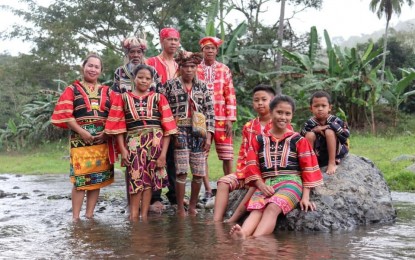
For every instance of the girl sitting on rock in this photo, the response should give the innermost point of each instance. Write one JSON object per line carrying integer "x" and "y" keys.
{"x": 283, "y": 167}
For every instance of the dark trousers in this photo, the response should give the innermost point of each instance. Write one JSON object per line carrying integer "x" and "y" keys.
{"x": 171, "y": 174}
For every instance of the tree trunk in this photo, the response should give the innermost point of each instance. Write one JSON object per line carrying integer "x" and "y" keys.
{"x": 385, "y": 46}
{"x": 280, "y": 38}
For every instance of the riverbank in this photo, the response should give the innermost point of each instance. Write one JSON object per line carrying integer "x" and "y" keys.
{"x": 52, "y": 158}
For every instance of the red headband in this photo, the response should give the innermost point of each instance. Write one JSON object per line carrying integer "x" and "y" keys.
{"x": 210, "y": 40}
{"x": 169, "y": 33}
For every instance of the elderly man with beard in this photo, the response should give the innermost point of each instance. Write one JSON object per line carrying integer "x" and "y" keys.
{"x": 134, "y": 50}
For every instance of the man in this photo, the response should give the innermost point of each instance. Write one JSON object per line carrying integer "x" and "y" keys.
{"x": 134, "y": 49}
{"x": 218, "y": 78}
{"x": 166, "y": 68}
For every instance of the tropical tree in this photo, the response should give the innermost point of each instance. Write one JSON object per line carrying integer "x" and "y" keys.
{"x": 397, "y": 90}
{"x": 387, "y": 8}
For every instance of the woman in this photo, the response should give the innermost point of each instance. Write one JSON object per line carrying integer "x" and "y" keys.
{"x": 134, "y": 50}
{"x": 186, "y": 94}
{"x": 83, "y": 108}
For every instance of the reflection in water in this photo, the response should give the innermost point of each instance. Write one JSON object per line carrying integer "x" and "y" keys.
{"x": 35, "y": 222}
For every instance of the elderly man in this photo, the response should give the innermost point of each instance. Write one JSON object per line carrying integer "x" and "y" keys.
{"x": 166, "y": 67}
{"x": 134, "y": 49}
{"x": 218, "y": 78}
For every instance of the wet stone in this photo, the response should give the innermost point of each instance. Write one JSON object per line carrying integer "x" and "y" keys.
{"x": 2, "y": 194}
{"x": 16, "y": 188}
{"x": 357, "y": 194}
{"x": 25, "y": 197}
{"x": 3, "y": 178}
{"x": 56, "y": 197}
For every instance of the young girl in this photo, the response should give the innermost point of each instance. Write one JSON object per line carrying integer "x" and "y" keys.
{"x": 283, "y": 167}
{"x": 146, "y": 118}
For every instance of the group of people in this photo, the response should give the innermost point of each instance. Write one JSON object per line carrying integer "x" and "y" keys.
{"x": 147, "y": 117}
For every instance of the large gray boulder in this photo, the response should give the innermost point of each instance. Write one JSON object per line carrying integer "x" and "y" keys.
{"x": 356, "y": 195}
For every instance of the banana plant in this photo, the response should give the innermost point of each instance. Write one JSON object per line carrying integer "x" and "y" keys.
{"x": 395, "y": 92}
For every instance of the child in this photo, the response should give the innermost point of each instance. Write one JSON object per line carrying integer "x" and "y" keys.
{"x": 326, "y": 133}
{"x": 146, "y": 118}
{"x": 262, "y": 95}
{"x": 283, "y": 166}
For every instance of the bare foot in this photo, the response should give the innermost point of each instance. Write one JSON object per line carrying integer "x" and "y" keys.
{"x": 192, "y": 212}
{"x": 75, "y": 219}
{"x": 331, "y": 169}
{"x": 157, "y": 207}
{"x": 181, "y": 213}
{"x": 237, "y": 232}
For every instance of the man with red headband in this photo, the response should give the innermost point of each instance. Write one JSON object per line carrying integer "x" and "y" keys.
{"x": 218, "y": 78}
{"x": 164, "y": 63}
{"x": 166, "y": 68}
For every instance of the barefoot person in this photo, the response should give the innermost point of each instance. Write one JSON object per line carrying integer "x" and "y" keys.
{"x": 327, "y": 134}
{"x": 146, "y": 119}
{"x": 186, "y": 94}
{"x": 283, "y": 167}
{"x": 262, "y": 96}
{"x": 166, "y": 67}
{"x": 83, "y": 108}
{"x": 218, "y": 78}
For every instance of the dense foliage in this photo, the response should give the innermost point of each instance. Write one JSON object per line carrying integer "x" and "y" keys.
{"x": 66, "y": 30}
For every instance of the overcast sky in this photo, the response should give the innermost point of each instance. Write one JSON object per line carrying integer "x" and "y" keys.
{"x": 339, "y": 17}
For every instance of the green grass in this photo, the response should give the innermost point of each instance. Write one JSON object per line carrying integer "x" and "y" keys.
{"x": 382, "y": 151}
{"x": 52, "y": 158}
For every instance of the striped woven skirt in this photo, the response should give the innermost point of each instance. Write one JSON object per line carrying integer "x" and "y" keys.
{"x": 288, "y": 192}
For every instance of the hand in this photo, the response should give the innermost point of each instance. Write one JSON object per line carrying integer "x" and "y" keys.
{"x": 305, "y": 204}
{"x": 267, "y": 190}
{"x": 100, "y": 138}
{"x": 161, "y": 161}
{"x": 228, "y": 128}
{"x": 86, "y": 136}
{"x": 208, "y": 143}
{"x": 124, "y": 157}
{"x": 320, "y": 129}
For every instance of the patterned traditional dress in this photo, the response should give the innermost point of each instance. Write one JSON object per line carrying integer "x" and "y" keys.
{"x": 250, "y": 130}
{"x": 218, "y": 78}
{"x": 287, "y": 164}
{"x": 124, "y": 79}
{"x": 91, "y": 166}
{"x": 188, "y": 149}
{"x": 146, "y": 120}
{"x": 341, "y": 130}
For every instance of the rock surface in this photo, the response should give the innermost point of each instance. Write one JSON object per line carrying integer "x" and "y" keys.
{"x": 356, "y": 195}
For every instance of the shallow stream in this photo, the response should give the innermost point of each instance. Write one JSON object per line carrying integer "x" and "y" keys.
{"x": 35, "y": 223}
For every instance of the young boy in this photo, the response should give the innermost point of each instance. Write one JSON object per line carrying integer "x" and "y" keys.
{"x": 326, "y": 133}
{"x": 262, "y": 96}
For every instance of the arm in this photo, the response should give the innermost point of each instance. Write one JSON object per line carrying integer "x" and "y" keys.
{"x": 340, "y": 128}
{"x": 309, "y": 125}
{"x": 123, "y": 149}
{"x": 230, "y": 101}
{"x": 161, "y": 161}
{"x": 85, "y": 135}
{"x": 305, "y": 203}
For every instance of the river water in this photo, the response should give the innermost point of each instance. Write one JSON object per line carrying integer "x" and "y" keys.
{"x": 35, "y": 223}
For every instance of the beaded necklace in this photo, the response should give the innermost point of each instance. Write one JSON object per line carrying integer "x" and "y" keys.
{"x": 91, "y": 91}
